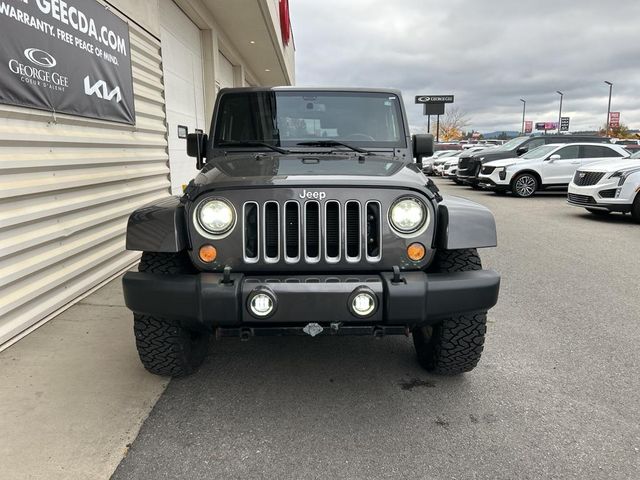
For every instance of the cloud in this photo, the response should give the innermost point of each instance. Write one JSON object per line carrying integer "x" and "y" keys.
{"x": 489, "y": 54}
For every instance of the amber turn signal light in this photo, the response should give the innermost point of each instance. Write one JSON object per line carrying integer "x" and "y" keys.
{"x": 208, "y": 253}
{"x": 416, "y": 251}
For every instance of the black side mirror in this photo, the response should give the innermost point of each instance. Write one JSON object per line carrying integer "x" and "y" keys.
{"x": 422, "y": 145}
{"x": 521, "y": 151}
{"x": 197, "y": 147}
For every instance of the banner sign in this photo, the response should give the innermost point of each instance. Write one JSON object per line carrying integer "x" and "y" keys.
{"x": 70, "y": 56}
{"x": 528, "y": 126}
{"x": 434, "y": 98}
{"x": 540, "y": 125}
{"x": 550, "y": 125}
{"x": 614, "y": 119}
{"x": 564, "y": 124}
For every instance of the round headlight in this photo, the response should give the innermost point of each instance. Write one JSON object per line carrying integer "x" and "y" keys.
{"x": 407, "y": 215}
{"x": 216, "y": 216}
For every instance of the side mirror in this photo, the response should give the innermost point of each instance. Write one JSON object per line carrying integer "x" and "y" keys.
{"x": 521, "y": 151}
{"x": 554, "y": 157}
{"x": 197, "y": 147}
{"x": 422, "y": 145}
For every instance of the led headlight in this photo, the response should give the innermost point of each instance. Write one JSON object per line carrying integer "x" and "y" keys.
{"x": 623, "y": 174}
{"x": 216, "y": 216}
{"x": 407, "y": 215}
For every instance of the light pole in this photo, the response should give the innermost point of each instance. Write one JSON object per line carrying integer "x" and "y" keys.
{"x": 560, "y": 113}
{"x": 609, "y": 106}
{"x": 524, "y": 110}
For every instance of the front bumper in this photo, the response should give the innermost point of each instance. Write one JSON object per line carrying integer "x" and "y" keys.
{"x": 595, "y": 196}
{"x": 206, "y": 301}
{"x": 485, "y": 181}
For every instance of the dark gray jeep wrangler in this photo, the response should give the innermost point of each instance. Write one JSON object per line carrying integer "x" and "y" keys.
{"x": 310, "y": 216}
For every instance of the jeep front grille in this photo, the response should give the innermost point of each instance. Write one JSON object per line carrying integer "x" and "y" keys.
{"x": 311, "y": 231}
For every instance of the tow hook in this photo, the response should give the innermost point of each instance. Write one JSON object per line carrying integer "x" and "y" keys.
{"x": 245, "y": 335}
{"x": 226, "y": 276}
{"x": 396, "y": 276}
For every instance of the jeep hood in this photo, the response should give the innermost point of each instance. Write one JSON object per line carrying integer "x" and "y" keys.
{"x": 265, "y": 170}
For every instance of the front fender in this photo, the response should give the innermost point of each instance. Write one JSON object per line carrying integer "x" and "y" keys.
{"x": 158, "y": 227}
{"x": 464, "y": 224}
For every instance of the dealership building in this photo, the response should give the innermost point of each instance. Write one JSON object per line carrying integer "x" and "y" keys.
{"x": 93, "y": 96}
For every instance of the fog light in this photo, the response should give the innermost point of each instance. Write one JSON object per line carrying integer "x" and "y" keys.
{"x": 416, "y": 251}
{"x": 262, "y": 303}
{"x": 363, "y": 302}
{"x": 208, "y": 253}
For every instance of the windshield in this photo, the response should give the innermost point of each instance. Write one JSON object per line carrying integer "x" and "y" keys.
{"x": 287, "y": 119}
{"x": 635, "y": 155}
{"x": 540, "y": 151}
{"x": 511, "y": 144}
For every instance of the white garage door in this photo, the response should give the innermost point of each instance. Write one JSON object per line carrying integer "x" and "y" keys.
{"x": 225, "y": 77}
{"x": 184, "y": 90}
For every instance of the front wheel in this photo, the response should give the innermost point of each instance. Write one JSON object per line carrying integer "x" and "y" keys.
{"x": 455, "y": 345}
{"x": 635, "y": 209}
{"x": 168, "y": 349}
{"x": 524, "y": 185}
{"x": 164, "y": 346}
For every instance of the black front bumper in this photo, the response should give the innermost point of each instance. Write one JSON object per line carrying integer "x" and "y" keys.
{"x": 206, "y": 301}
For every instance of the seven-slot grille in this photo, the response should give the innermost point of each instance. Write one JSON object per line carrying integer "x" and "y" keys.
{"x": 312, "y": 231}
{"x": 583, "y": 179}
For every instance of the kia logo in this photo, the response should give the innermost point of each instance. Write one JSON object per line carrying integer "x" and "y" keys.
{"x": 40, "y": 57}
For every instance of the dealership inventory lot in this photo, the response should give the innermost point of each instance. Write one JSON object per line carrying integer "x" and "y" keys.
{"x": 556, "y": 394}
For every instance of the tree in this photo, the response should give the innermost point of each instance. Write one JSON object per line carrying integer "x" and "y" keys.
{"x": 621, "y": 131}
{"x": 451, "y": 124}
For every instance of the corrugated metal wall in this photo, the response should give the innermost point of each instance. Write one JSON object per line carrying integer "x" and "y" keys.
{"x": 67, "y": 187}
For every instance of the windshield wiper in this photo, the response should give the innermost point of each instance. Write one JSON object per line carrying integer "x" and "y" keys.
{"x": 333, "y": 143}
{"x": 237, "y": 143}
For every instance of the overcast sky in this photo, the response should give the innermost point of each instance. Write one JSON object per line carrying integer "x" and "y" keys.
{"x": 489, "y": 54}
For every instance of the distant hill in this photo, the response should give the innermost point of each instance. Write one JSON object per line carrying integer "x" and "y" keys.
{"x": 509, "y": 133}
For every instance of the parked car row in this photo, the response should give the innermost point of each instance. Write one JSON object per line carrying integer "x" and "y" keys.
{"x": 601, "y": 176}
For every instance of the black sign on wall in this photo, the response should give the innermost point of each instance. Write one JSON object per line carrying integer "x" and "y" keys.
{"x": 67, "y": 57}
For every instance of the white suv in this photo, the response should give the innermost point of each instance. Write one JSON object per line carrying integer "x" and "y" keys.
{"x": 606, "y": 187}
{"x": 548, "y": 166}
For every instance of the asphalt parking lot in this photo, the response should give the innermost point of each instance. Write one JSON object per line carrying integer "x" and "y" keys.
{"x": 556, "y": 395}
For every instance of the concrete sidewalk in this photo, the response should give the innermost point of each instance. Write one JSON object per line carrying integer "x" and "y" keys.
{"x": 73, "y": 394}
